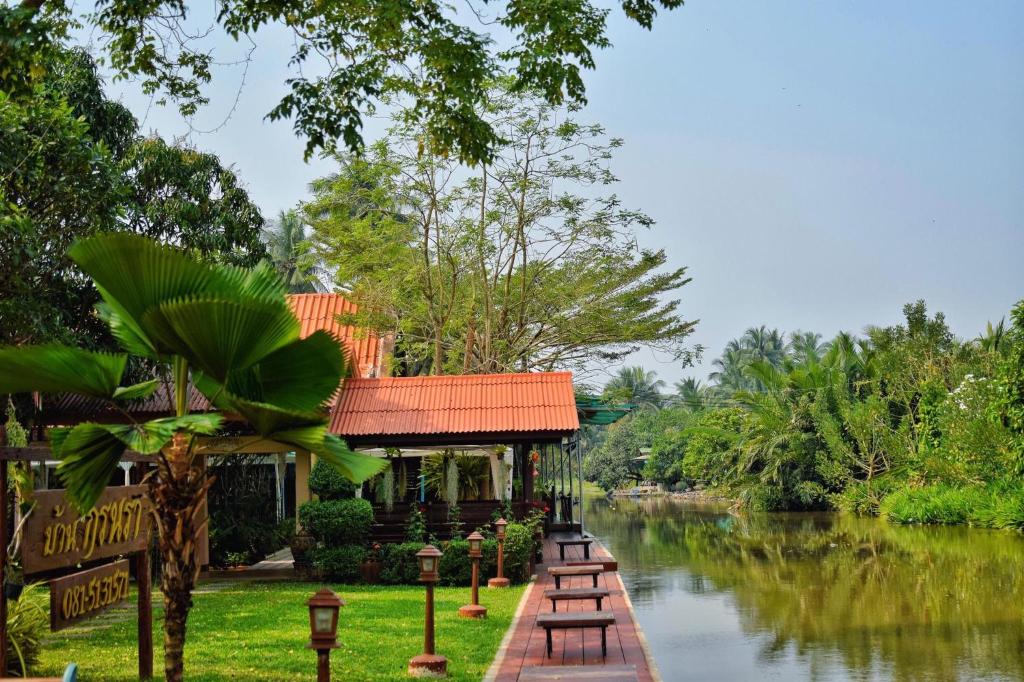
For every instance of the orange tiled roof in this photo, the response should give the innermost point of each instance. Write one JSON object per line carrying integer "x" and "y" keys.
{"x": 320, "y": 311}
{"x": 466, "y": 404}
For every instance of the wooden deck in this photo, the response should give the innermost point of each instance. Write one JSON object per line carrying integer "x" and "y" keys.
{"x": 525, "y": 646}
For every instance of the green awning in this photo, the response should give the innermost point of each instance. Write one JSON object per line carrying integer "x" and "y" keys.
{"x": 593, "y": 411}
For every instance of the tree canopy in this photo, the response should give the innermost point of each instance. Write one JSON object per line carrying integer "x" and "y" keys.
{"x": 349, "y": 57}
{"x": 75, "y": 165}
{"x": 519, "y": 264}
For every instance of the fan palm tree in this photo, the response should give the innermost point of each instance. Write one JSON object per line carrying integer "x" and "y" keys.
{"x": 285, "y": 240}
{"x": 636, "y": 386}
{"x": 226, "y": 331}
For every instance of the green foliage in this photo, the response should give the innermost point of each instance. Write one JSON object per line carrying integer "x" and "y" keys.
{"x": 73, "y": 165}
{"x": 535, "y": 275}
{"x": 993, "y": 506}
{"x": 518, "y": 548}
{"x": 416, "y": 527}
{"x": 28, "y": 621}
{"x": 339, "y": 563}
{"x": 327, "y": 483}
{"x": 438, "y": 56}
{"x": 910, "y": 422}
{"x": 243, "y": 526}
{"x": 399, "y": 565}
{"x": 337, "y": 522}
{"x": 457, "y": 568}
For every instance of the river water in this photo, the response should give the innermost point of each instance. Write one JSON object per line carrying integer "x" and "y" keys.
{"x": 816, "y": 596}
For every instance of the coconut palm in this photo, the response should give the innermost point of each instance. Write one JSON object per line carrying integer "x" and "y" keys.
{"x": 691, "y": 393}
{"x": 636, "y": 386}
{"x": 226, "y": 331}
{"x": 285, "y": 240}
{"x": 762, "y": 343}
{"x": 994, "y": 339}
{"x": 803, "y": 346}
{"x": 728, "y": 374}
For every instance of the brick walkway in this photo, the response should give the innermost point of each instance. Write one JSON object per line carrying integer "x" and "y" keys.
{"x": 526, "y": 645}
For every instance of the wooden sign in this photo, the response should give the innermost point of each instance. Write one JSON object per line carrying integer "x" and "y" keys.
{"x": 83, "y": 595}
{"x": 55, "y": 536}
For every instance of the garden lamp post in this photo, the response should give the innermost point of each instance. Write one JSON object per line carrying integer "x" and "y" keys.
{"x": 323, "y": 630}
{"x": 500, "y": 580}
{"x": 428, "y": 664}
{"x": 474, "y": 610}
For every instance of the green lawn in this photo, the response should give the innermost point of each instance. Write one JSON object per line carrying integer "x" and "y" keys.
{"x": 259, "y": 631}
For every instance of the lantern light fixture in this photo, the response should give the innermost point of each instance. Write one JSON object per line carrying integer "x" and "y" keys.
{"x": 429, "y": 559}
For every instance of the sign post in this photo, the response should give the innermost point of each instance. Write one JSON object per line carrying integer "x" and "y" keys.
{"x": 57, "y": 538}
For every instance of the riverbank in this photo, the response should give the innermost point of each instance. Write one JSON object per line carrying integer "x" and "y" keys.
{"x": 833, "y": 597}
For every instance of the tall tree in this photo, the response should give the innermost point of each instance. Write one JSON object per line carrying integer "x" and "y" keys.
{"x": 437, "y": 55}
{"x": 635, "y": 386}
{"x": 227, "y": 331}
{"x": 72, "y": 164}
{"x": 513, "y": 266}
{"x": 286, "y": 244}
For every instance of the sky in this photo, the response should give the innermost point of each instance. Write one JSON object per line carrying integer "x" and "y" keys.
{"x": 815, "y": 165}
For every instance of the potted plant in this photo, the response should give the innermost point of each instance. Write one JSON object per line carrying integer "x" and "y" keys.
{"x": 369, "y": 570}
{"x": 300, "y": 545}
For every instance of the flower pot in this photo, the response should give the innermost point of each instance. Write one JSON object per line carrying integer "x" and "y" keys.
{"x": 370, "y": 571}
{"x": 300, "y": 546}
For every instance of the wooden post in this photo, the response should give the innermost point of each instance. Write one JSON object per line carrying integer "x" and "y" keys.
{"x": 3, "y": 567}
{"x": 303, "y": 465}
{"x": 527, "y": 476}
{"x": 143, "y": 580}
{"x": 428, "y": 629}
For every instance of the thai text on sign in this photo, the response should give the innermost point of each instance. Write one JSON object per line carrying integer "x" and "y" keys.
{"x": 55, "y": 536}
{"x": 84, "y": 594}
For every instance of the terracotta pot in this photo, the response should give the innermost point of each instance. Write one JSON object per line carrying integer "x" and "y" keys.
{"x": 300, "y": 546}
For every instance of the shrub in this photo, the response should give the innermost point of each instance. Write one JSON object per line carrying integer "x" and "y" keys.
{"x": 28, "y": 620}
{"x": 518, "y": 548}
{"x": 399, "y": 565}
{"x": 456, "y": 567}
{"x": 337, "y": 522}
{"x": 940, "y": 504}
{"x": 243, "y": 526}
{"x": 339, "y": 564}
{"x": 327, "y": 483}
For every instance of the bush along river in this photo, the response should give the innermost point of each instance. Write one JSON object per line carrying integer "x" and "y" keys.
{"x": 816, "y": 596}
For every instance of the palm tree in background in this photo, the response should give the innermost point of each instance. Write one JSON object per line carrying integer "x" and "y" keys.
{"x": 691, "y": 393}
{"x": 285, "y": 240}
{"x": 993, "y": 339}
{"x": 636, "y": 386}
{"x": 803, "y": 346}
{"x": 762, "y": 343}
{"x": 728, "y": 374}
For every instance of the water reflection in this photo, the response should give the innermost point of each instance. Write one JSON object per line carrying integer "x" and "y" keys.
{"x": 817, "y": 596}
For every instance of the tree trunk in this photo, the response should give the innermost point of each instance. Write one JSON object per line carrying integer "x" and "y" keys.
{"x": 177, "y": 491}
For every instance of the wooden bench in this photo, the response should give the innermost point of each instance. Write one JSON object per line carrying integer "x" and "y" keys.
{"x": 562, "y": 544}
{"x": 596, "y": 593}
{"x": 569, "y": 621}
{"x": 589, "y": 673}
{"x": 559, "y": 572}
